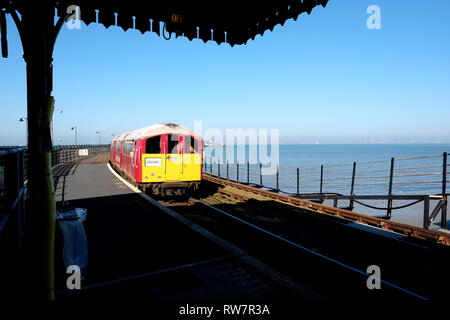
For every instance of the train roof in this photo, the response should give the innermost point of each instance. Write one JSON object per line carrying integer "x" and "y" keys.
{"x": 154, "y": 130}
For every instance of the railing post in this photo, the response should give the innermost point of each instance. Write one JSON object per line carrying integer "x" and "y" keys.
{"x": 210, "y": 165}
{"x": 12, "y": 188}
{"x": 298, "y": 180}
{"x": 321, "y": 179}
{"x": 444, "y": 192}
{"x": 352, "y": 188}
{"x": 426, "y": 211}
{"x": 278, "y": 178}
{"x": 227, "y": 171}
{"x": 248, "y": 172}
{"x": 21, "y": 200}
{"x": 237, "y": 171}
{"x": 391, "y": 178}
{"x": 218, "y": 168}
{"x": 260, "y": 175}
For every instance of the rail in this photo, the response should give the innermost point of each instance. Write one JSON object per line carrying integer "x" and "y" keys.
{"x": 419, "y": 179}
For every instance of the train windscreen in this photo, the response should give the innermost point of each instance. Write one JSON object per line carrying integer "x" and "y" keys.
{"x": 172, "y": 140}
{"x": 153, "y": 145}
{"x": 190, "y": 145}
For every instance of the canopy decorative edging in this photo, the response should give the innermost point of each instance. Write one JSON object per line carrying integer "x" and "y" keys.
{"x": 233, "y": 22}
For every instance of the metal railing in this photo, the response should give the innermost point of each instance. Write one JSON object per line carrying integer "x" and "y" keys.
{"x": 72, "y": 153}
{"x": 12, "y": 194}
{"x": 418, "y": 178}
{"x": 13, "y": 176}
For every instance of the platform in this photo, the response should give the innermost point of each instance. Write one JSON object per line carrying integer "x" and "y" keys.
{"x": 138, "y": 251}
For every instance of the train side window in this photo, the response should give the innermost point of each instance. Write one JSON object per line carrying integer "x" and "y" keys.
{"x": 172, "y": 140}
{"x": 190, "y": 145}
{"x": 153, "y": 145}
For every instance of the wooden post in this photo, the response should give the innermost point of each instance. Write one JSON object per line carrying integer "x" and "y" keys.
{"x": 391, "y": 178}
{"x": 352, "y": 188}
{"x": 248, "y": 172}
{"x": 227, "y": 171}
{"x": 278, "y": 183}
{"x": 444, "y": 173}
{"x": 260, "y": 175}
{"x": 321, "y": 179}
{"x": 298, "y": 180}
{"x": 426, "y": 211}
{"x": 444, "y": 192}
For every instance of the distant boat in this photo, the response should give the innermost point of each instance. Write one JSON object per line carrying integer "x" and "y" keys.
{"x": 317, "y": 142}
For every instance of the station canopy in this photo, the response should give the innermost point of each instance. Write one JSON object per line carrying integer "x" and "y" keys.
{"x": 231, "y": 21}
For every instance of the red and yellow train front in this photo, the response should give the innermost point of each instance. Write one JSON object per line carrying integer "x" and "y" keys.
{"x": 170, "y": 158}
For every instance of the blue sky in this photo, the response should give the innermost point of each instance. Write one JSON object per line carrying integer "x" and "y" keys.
{"x": 325, "y": 77}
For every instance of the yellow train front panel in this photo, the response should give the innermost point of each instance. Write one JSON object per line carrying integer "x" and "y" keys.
{"x": 171, "y": 167}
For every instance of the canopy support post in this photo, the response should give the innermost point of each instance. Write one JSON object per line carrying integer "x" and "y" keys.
{"x": 38, "y": 34}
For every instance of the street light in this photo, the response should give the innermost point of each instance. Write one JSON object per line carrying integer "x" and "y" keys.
{"x": 26, "y": 124}
{"x": 99, "y": 137}
{"x": 75, "y": 128}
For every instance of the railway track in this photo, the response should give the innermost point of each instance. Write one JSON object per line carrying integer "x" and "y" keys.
{"x": 408, "y": 230}
{"x": 325, "y": 253}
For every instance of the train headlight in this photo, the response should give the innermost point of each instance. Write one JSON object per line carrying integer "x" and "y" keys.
{"x": 145, "y": 178}
{"x": 159, "y": 178}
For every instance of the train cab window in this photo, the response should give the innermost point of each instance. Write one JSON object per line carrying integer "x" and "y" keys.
{"x": 190, "y": 145}
{"x": 118, "y": 147}
{"x": 153, "y": 145}
{"x": 172, "y": 140}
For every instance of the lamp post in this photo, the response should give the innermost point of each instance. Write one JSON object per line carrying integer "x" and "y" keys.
{"x": 99, "y": 137}
{"x": 26, "y": 125}
{"x": 75, "y": 128}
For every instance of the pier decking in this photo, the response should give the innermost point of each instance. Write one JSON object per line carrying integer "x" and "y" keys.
{"x": 136, "y": 250}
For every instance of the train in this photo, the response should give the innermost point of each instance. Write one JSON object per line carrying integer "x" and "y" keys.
{"x": 164, "y": 159}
